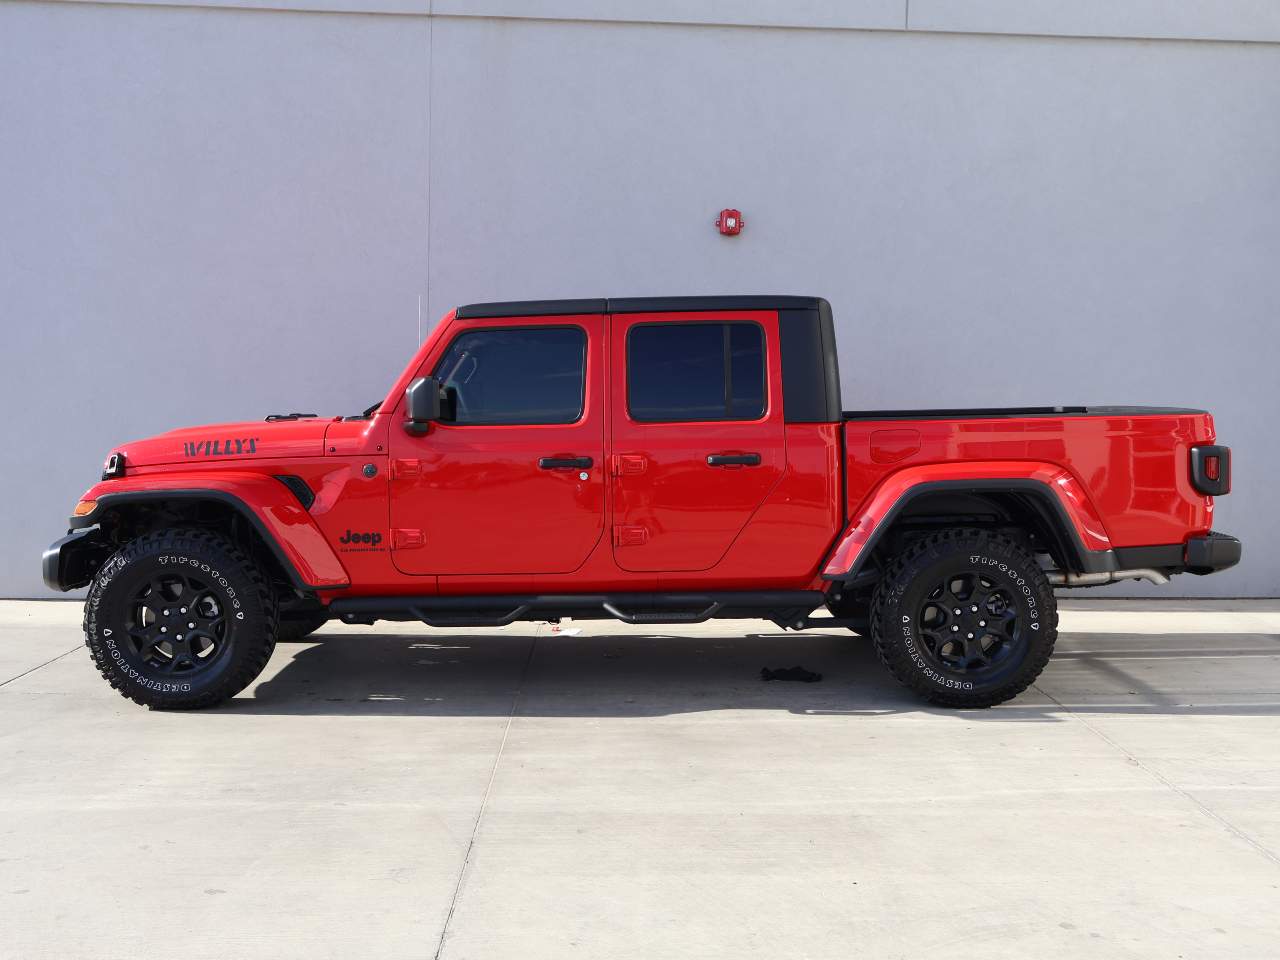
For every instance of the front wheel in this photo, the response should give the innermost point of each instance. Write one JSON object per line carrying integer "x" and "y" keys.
{"x": 179, "y": 619}
{"x": 965, "y": 618}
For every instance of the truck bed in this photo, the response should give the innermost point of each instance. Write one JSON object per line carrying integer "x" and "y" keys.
{"x": 1132, "y": 463}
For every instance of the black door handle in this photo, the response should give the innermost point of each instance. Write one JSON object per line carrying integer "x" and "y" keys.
{"x": 733, "y": 460}
{"x": 565, "y": 463}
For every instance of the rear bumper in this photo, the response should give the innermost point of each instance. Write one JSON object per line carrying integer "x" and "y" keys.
{"x": 1211, "y": 553}
{"x": 72, "y": 561}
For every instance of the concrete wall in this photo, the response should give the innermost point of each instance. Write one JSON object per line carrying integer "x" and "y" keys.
{"x": 213, "y": 213}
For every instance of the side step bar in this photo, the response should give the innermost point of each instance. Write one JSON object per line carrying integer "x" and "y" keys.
{"x": 784, "y": 607}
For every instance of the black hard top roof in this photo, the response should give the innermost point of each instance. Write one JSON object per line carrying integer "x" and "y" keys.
{"x": 551, "y": 308}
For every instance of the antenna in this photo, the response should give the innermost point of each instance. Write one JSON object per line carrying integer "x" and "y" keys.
{"x": 419, "y": 319}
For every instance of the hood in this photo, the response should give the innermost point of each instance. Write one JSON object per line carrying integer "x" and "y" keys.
{"x": 253, "y": 439}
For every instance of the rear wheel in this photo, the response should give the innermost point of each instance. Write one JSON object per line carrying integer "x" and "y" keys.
{"x": 179, "y": 619}
{"x": 965, "y": 618}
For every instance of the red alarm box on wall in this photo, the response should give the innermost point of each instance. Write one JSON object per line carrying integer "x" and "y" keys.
{"x": 729, "y": 222}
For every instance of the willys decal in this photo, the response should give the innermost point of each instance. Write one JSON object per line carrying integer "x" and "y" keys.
{"x": 229, "y": 447}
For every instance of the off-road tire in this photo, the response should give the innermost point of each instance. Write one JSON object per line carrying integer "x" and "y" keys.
{"x": 294, "y": 629}
{"x": 946, "y": 666}
{"x": 230, "y": 603}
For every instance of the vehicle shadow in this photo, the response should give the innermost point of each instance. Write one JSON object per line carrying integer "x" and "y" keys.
{"x": 468, "y": 674}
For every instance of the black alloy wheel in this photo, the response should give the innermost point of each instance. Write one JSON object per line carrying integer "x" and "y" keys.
{"x": 970, "y": 624}
{"x": 177, "y": 626}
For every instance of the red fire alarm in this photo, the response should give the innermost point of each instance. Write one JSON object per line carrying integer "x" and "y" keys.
{"x": 729, "y": 222}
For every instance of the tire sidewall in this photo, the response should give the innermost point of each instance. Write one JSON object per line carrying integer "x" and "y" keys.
{"x": 996, "y": 559}
{"x": 111, "y": 598}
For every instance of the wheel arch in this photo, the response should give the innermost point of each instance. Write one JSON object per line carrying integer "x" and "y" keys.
{"x": 275, "y": 527}
{"x": 1029, "y": 503}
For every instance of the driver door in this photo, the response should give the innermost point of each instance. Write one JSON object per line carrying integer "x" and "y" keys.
{"x": 514, "y": 484}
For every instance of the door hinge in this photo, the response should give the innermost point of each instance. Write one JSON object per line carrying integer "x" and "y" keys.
{"x": 630, "y": 535}
{"x": 629, "y": 464}
{"x": 404, "y": 538}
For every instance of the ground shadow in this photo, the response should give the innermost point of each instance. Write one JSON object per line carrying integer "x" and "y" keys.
{"x": 627, "y": 675}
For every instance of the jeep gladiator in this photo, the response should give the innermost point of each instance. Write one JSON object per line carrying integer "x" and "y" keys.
{"x": 648, "y": 460}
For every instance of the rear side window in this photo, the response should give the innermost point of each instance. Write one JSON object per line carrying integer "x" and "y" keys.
{"x": 516, "y": 375}
{"x": 695, "y": 371}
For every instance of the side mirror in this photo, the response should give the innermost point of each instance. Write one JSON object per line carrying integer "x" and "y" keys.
{"x": 422, "y": 404}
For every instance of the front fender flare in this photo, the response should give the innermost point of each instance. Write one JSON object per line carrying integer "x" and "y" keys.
{"x": 1052, "y": 486}
{"x": 275, "y": 513}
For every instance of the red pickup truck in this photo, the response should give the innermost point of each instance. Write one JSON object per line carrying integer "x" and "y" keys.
{"x": 647, "y": 460}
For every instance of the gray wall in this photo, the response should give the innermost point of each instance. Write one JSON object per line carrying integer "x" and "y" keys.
{"x": 213, "y": 213}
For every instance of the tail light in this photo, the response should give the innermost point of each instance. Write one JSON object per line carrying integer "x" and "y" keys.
{"x": 1211, "y": 470}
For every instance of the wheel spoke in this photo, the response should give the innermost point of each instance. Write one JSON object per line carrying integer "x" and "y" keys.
{"x": 191, "y": 593}
{"x": 181, "y": 655}
{"x": 933, "y": 617}
{"x": 948, "y": 651}
{"x": 974, "y": 654}
{"x": 1003, "y": 624}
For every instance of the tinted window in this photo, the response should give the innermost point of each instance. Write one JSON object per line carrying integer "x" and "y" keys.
{"x": 525, "y": 375}
{"x": 695, "y": 371}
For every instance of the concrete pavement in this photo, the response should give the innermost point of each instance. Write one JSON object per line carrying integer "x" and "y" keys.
{"x": 406, "y": 793}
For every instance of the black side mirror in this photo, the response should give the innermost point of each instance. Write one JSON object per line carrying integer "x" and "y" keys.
{"x": 422, "y": 404}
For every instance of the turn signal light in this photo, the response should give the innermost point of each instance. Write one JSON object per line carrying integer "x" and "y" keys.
{"x": 84, "y": 507}
{"x": 1213, "y": 467}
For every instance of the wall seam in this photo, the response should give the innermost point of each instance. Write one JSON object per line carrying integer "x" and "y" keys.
{"x": 431, "y": 157}
{"x": 427, "y": 12}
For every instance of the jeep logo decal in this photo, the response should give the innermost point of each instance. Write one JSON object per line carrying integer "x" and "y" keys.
{"x": 360, "y": 541}
{"x": 229, "y": 447}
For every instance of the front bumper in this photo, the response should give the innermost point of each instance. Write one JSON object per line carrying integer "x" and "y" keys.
{"x": 1211, "y": 553}
{"x": 72, "y": 561}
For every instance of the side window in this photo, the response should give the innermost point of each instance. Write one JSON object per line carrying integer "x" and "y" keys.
{"x": 516, "y": 375}
{"x": 695, "y": 371}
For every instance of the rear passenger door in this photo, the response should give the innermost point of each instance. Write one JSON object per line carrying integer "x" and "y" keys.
{"x": 697, "y": 433}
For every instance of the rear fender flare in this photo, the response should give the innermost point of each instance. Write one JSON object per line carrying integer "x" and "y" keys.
{"x": 1063, "y": 499}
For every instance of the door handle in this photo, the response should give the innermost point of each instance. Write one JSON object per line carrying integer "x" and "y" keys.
{"x": 733, "y": 460}
{"x": 565, "y": 463}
